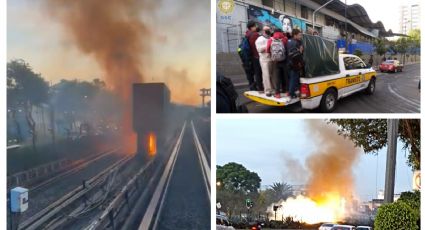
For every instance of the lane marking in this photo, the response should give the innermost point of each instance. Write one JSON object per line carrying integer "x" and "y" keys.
{"x": 164, "y": 182}
{"x": 403, "y": 98}
{"x": 205, "y": 168}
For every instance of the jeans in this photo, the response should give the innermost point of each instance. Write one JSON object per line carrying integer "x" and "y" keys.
{"x": 280, "y": 76}
{"x": 294, "y": 81}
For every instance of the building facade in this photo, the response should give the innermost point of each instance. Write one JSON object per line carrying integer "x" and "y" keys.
{"x": 330, "y": 22}
{"x": 410, "y": 18}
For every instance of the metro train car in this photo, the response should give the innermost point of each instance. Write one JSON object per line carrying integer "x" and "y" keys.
{"x": 151, "y": 101}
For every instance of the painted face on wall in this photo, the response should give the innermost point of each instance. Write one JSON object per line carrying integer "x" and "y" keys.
{"x": 286, "y": 23}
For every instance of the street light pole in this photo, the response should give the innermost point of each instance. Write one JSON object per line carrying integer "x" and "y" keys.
{"x": 317, "y": 10}
{"x": 392, "y": 131}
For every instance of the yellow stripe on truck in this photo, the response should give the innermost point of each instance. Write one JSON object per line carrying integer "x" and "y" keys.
{"x": 317, "y": 89}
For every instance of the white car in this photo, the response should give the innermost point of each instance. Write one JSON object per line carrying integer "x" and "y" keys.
{"x": 343, "y": 227}
{"x": 363, "y": 228}
{"x": 326, "y": 226}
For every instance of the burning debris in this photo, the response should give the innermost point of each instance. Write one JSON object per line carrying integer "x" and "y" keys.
{"x": 330, "y": 184}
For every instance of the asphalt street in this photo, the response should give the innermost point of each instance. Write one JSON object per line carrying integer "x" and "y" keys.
{"x": 395, "y": 93}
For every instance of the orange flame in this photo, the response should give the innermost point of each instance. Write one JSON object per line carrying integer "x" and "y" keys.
{"x": 151, "y": 144}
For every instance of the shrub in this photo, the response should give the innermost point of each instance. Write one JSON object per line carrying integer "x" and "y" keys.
{"x": 413, "y": 199}
{"x": 397, "y": 215}
{"x": 358, "y": 53}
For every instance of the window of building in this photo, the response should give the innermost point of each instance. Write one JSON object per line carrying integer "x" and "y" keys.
{"x": 269, "y": 3}
{"x": 304, "y": 12}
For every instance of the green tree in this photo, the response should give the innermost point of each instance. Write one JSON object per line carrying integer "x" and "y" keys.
{"x": 414, "y": 40}
{"x": 83, "y": 103}
{"x": 371, "y": 135}
{"x": 280, "y": 191}
{"x": 413, "y": 199}
{"x": 402, "y": 46}
{"x": 235, "y": 177}
{"x": 26, "y": 89}
{"x": 358, "y": 53}
{"x": 380, "y": 46}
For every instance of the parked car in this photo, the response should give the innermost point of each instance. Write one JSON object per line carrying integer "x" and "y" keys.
{"x": 391, "y": 66}
{"x": 222, "y": 223}
{"x": 326, "y": 226}
{"x": 363, "y": 228}
{"x": 343, "y": 227}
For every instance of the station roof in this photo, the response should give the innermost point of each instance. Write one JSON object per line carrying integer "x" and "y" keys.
{"x": 357, "y": 14}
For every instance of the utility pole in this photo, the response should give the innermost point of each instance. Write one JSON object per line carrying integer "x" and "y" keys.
{"x": 205, "y": 93}
{"x": 392, "y": 131}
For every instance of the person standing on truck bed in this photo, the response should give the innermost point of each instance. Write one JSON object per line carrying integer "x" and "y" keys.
{"x": 251, "y": 35}
{"x": 296, "y": 62}
{"x": 276, "y": 46}
{"x": 265, "y": 60}
{"x": 244, "y": 51}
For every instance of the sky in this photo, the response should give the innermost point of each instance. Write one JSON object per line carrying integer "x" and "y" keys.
{"x": 183, "y": 43}
{"x": 388, "y": 11}
{"x": 260, "y": 145}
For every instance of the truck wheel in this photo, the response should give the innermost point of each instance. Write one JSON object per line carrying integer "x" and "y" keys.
{"x": 328, "y": 102}
{"x": 371, "y": 87}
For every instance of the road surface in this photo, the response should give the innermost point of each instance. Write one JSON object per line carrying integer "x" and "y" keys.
{"x": 395, "y": 93}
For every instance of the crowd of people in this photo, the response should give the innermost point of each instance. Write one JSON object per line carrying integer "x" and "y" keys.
{"x": 272, "y": 60}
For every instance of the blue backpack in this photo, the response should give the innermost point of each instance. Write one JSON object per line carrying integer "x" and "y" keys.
{"x": 244, "y": 50}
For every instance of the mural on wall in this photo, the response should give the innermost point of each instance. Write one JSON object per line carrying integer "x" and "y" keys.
{"x": 275, "y": 20}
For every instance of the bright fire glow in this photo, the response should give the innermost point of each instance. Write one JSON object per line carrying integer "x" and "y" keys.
{"x": 151, "y": 144}
{"x": 330, "y": 208}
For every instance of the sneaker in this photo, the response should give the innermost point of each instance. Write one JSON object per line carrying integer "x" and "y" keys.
{"x": 268, "y": 94}
{"x": 277, "y": 95}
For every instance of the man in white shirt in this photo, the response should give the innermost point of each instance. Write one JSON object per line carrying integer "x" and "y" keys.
{"x": 265, "y": 60}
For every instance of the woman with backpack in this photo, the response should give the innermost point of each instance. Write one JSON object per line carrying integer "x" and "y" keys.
{"x": 276, "y": 47}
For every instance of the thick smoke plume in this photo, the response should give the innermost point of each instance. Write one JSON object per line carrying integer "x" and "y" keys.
{"x": 113, "y": 33}
{"x": 110, "y": 31}
{"x": 331, "y": 165}
{"x": 330, "y": 182}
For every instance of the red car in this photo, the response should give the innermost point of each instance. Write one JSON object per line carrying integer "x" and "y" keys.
{"x": 391, "y": 66}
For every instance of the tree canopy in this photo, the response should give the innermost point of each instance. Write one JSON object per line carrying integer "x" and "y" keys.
{"x": 371, "y": 135}
{"x": 25, "y": 89}
{"x": 380, "y": 47}
{"x": 235, "y": 177}
{"x": 24, "y": 85}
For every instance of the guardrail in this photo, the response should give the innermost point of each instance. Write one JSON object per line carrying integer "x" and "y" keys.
{"x": 46, "y": 214}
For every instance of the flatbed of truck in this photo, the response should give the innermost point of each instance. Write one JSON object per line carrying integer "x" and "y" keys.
{"x": 261, "y": 98}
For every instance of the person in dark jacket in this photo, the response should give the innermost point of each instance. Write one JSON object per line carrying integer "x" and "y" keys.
{"x": 252, "y": 35}
{"x": 296, "y": 64}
